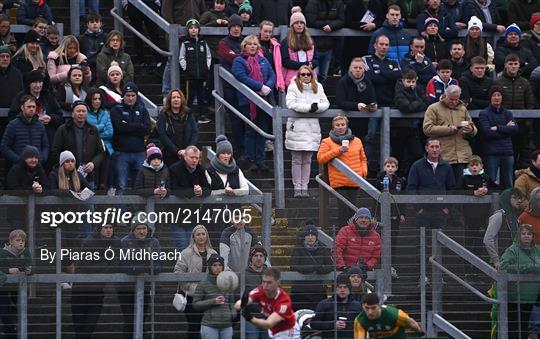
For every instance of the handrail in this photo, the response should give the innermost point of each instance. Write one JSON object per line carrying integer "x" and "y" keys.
{"x": 357, "y": 179}
{"x": 328, "y": 188}
{"x": 18, "y": 28}
{"x": 246, "y": 91}
{"x": 155, "y": 17}
{"x": 462, "y": 282}
{"x": 241, "y": 116}
{"x": 446, "y": 326}
{"x": 138, "y": 34}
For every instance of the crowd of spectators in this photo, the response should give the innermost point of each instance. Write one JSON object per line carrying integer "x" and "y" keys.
{"x": 77, "y": 120}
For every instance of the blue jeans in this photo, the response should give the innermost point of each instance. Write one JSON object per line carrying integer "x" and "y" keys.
{"x": 505, "y": 166}
{"x": 254, "y": 332}
{"x": 254, "y": 142}
{"x": 128, "y": 164}
{"x": 93, "y": 6}
{"x": 181, "y": 235}
{"x": 325, "y": 58}
{"x": 216, "y": 333}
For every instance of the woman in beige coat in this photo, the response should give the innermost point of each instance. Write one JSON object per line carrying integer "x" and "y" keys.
{"x": 193, "y": 259}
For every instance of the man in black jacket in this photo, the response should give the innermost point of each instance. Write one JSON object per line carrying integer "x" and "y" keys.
{"x": 475, "y": 85}
{"x": 355, "y": 92}
{"x": 131, "y": 123}
{"x": 11, "y": 79}
{"x": 328, "y": 321}
{"x": 188, "y": 180}
{"x": 83, "y": 140}
{"x": 276, "y": 11}
{"x": 93, "y": 39}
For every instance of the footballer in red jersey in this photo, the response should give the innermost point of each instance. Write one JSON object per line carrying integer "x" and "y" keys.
{"x": 275, "y": 304}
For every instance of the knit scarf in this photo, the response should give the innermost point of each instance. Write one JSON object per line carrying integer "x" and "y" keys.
{"x": 223, "y": 168}
{"x": 255, "y": 73}
{"x": 340, "y": 138}
{"x": 360, "y": 84}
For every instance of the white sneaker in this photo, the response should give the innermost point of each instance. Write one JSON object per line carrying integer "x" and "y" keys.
{"x": 66, "y": 285}
{"x": 111, "y": 192}
{"x": 269, "y": 146}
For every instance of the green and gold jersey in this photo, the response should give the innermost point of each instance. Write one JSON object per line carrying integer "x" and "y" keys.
{"x": 391, "y": 324}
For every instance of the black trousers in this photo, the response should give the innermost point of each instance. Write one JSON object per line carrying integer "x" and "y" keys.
{"x": 127, "y": 305}
{"x": 138, "y": 20}
{"x": 86, "y": 306}
{"x": 8, "y": 312}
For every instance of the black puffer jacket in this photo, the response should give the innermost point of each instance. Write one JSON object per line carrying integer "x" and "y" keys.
{"x": 526, "y": 58}
{"x": 21, "y": 177}
{"x": 475, "y": 91}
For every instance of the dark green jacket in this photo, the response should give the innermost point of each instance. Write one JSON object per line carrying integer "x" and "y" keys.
{"x": 204, "y": 300}
{"x": 518, "y": 259}
{"x": 517, "y": 92}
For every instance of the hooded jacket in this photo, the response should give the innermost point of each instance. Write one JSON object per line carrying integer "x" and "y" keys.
{"x": 104, "y": 60}
{"x": 531, "y": 215}
{"x": 149, "y": 179}
{"x": 519, "y": 259}
{"x": 12, "y": 258}
{"x": 204, "y": 300}
{"x": 317, "y": 260}
{"x": 91, "y": 44}
{"x": 526, "y": 58}
{"x": 21, "y": 177}
{"x": 399, "y": 40}
{"x": 475, "y": 91}
{"x": 190, "y": 261}
{"x": 503, "y": 228}
{"x": 234, "y": 246}
{"x": 455, "y": 146}
{"x": 304, "y": 134}
{"x": 325, "y": 317}
{"x": 497, "y": 143}
{"x": 351, "y": 247}
{"x": 149, "y": 245}
{"x": 517, "y": 91}
{"x": 526, "y": 181}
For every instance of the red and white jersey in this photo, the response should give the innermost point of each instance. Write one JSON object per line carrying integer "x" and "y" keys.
{"x": 280, "y": 304}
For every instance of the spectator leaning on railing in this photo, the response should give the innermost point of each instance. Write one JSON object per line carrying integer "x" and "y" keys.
{"x": 14, "y": 259}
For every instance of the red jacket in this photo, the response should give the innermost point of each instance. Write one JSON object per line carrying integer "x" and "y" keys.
{"x": 351, "y": 247}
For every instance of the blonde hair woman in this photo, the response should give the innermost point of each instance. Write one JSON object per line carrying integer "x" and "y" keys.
{"x": 60, "y": 61}
{"x": 303, "y": 135}
{"x": 29, "y": 57}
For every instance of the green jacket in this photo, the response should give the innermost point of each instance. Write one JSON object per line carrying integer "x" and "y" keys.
{"x": 517, "y": 92}
{"x": 204, "y": 300}
{"x": 518, "y": 259}
{"x": 9, "y": 258}
{"x": 104, "y": 60}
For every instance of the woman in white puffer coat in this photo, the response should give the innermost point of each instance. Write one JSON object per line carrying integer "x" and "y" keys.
{"x": 303, "y": 135}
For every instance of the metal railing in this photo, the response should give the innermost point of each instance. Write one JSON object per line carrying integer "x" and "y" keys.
{"x": 25, "y": 28}
{"x": 435, "y": 320}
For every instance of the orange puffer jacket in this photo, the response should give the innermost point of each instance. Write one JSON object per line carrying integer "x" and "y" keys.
{"x": 355, "y": 158}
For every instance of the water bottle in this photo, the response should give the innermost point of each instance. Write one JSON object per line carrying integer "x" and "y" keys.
{"x": 386, "y": 183}
{"x": 398, "y": 185}
{"x": 162, "y": 184}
